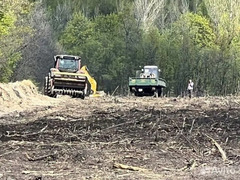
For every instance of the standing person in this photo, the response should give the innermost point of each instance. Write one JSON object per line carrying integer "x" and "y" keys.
{"x": 190, "y": 88}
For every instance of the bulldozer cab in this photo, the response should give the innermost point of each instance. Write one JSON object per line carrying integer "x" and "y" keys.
{"x": 67, "y": 63}
{"x": 150, "y": 72}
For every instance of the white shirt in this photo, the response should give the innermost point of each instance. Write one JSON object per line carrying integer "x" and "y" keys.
{"x": 190, "y": 86}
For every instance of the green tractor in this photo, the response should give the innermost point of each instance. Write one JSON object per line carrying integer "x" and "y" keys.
{"x": 147, "y": 82}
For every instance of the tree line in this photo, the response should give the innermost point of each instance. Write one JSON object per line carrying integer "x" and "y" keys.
{"x": 187, "y": 39}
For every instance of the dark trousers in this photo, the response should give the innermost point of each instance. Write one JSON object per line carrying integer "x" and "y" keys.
{"x": 190, "y": 91}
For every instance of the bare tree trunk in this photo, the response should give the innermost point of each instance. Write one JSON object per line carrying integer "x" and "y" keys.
{"x": 147, "y": 11}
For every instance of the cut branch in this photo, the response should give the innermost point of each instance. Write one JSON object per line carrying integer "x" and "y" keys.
{"x": 223, "y": 154}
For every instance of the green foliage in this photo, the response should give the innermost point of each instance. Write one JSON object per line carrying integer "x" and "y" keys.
{"x": 99, "y": 42}
{"x": 13, "y": 30}
{"x": 9, "y": 67}
{"x": 113, "y": 46}
{"x": 201, "y": 42}
{"x": 88, "y": 8}
{"x": 7, "y": 21}
{"x": 77, "y": 32}
{"x": 151, "y": 46}
{"x": 188, "y": 41}
{"x": 196, "y": 28}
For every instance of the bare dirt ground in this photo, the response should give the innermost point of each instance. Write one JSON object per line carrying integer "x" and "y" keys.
{"x": 117, "y": 137}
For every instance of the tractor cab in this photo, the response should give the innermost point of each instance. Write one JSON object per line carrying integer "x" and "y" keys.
{"x": 150, "y": 72}
{"x": 65, "y": 63}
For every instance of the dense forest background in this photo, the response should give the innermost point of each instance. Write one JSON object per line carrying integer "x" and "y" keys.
{"x": 187, "y": 39}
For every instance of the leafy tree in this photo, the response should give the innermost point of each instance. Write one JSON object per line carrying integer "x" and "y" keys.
{"x": 192, "y": 35}
{"x": 12, "y": 33}
{"x": 225, "y": 18}
{"x": 95, "y": 41}
{"x": 38, "y": 48}
{"x": 196, "y": 39}
{"x": 77, "y": 33}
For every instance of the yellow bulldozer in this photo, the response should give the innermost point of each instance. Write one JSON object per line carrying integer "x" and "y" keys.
{"x": 67, "y": 77}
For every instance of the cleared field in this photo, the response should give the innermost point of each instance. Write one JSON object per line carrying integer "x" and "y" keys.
{"x": 117, "y": 137}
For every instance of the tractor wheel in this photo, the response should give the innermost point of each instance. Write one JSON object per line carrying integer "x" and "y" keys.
{"x": 47, "y": 88}
{"x": 160, "y": 92}
{"x": 82, "y": 96}
{"x": 130, "y": 92}
{"x": 88, "y": 89}
{"x": 136, "y": 94}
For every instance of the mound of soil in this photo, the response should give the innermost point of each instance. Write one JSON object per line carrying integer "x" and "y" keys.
{"x": 121, "y": 138}
{"x": 19, "y": 96}
{"x": 17, "y": 90}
